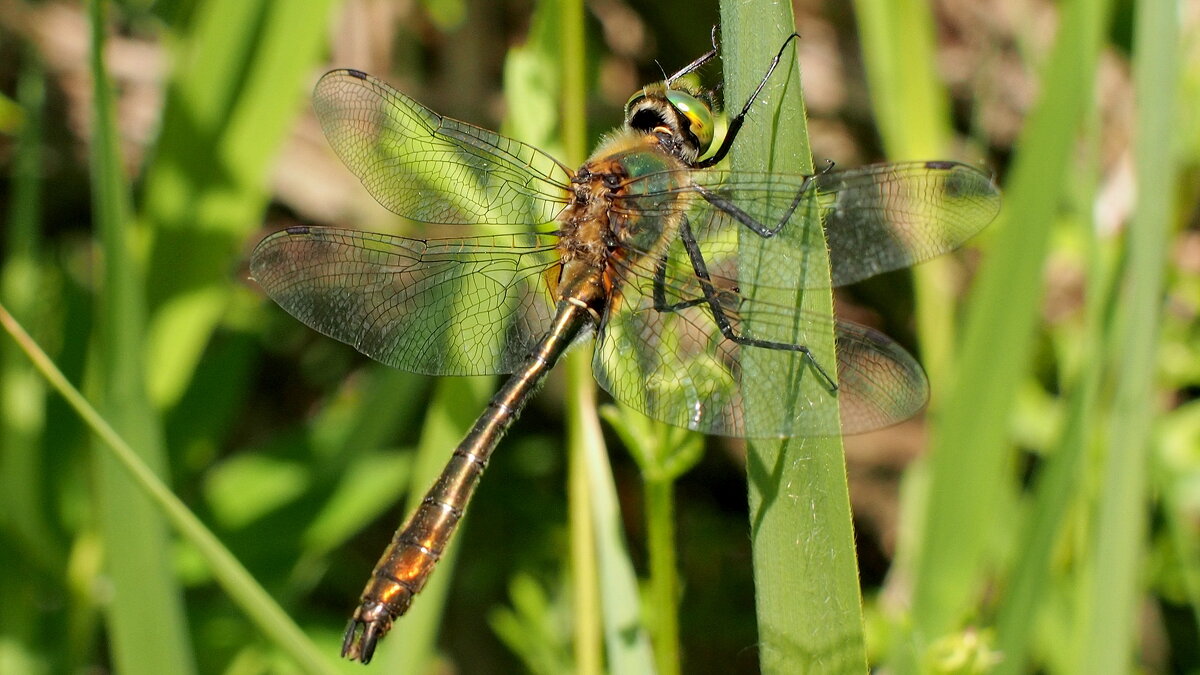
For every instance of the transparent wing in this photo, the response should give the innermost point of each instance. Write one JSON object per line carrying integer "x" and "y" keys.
{"x": 712, "y": 308}
{"x": 875, "y": 219}
{"x": 890, "y": 216}
{"x": 471, "y": 306}
{"x": 430, "y": 168}
{"x": 678, "y": 366}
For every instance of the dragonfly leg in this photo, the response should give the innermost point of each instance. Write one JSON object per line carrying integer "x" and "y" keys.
{"x": 712, "y": 299}
{"x": 660, "y": 291}
{"x": 735, "y": 124}
{"x": 734, "y": 211}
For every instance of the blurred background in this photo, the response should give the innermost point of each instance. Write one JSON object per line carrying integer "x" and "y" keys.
{"x": 1042, "y": 516}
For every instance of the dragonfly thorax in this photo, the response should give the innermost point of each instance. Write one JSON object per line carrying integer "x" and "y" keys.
{"x": 599, "y": 220}
{"x": 584, "y": 235}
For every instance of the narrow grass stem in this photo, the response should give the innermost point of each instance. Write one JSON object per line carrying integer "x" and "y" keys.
{"x": 664, "y": 574}
{"x": 583, "y": 428}
{"x": 257, "y": 604}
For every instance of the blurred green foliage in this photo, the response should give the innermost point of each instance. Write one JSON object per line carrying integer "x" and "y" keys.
{"x": 1053, "y": 525}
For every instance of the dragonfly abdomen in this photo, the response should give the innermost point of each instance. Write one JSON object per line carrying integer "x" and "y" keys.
{"x": 405, "y": 566}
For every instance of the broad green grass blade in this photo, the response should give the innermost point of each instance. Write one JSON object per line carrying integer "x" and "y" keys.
{"x": 243, "y": 75}
{"x": 907, "y": 99}
{"x": 1112, "y": 604}
{"x": 146, "y": 625}
{"x": 1069, "y": 474}
{"x": 969, "y": 455}
{"x": 1060, "y": 483}
{"x": 233, "y": 577}
{"x": 805, "y": 572}
{"x": 910, "y": 108}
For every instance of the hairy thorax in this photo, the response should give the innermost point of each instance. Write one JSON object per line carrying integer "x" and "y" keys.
{"x": 596, "y": 221}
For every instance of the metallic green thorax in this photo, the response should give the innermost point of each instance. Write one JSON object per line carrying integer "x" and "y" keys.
{"x": 653, "y": 186}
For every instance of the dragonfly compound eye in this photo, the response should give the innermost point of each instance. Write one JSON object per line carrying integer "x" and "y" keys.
{"x": 699, "y": 116}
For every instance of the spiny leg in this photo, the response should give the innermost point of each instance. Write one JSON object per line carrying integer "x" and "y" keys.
{"x": 711, "y": 297}
{"x": 736, "y": 123}
{"x": 734, "y": 211}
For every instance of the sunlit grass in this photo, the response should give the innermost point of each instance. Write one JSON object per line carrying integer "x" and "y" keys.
{"x": 806, "y": 580}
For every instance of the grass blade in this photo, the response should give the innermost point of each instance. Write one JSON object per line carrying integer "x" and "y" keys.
{"x": 147, "y": 600}
{"x": 233, "y": 577}
{"x": 586, "y": 452}
{"x": 910, "y": 107}
{"x": 805, "y": 572}
{"x": 604, "y": 585}
{"x": 244, "y": 74}
{"x": 907, "y": 99}
{"x": 1108, "y": 644}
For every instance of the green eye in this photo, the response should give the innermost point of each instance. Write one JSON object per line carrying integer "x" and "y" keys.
{"x": 697, "y": 112}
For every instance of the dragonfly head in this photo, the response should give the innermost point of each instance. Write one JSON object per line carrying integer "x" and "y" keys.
{"x": 682, "y": 118}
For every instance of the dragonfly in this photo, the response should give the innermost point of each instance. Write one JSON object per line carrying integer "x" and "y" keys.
{"x": 653, "y": 248}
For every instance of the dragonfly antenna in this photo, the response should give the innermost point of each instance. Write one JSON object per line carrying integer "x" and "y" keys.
{"x": 663, "y": 71}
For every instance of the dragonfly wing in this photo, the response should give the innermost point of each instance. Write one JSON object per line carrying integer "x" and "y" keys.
{"x": 667, "y": 365}
{"x": 431, "y": 168}
{"x": 879, "y": 383}
{"x": 679, "y": 366}
{"x": 874, "y": 219}
{"x": 691, "y": 320}
{"x": 890, "y": 216}
{"x": 471, "y": 306}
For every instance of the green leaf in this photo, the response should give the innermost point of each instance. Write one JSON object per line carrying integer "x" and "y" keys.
{"x": 805, "y": 571}
{"x": 242, "y": 78}
{"x": 1113, "y": 600}
{"x": 147, "y": 598}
